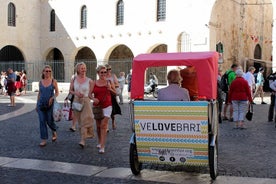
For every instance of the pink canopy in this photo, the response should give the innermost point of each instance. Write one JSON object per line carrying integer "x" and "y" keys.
{"x": 206, "y": 64}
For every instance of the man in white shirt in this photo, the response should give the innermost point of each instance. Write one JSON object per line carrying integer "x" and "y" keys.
{"x": 249, "y": 77}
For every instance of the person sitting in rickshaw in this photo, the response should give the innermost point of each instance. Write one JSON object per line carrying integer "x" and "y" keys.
{"x": 173, "y": 92}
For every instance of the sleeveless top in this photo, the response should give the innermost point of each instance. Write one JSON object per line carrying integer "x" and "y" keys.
{"x": 103, "y": 94}
{"x": 45, "y": 94}
{"x": 82, "y": 88}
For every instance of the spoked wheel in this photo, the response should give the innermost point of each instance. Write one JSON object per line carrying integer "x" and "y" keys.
{"x": 213, "y": 161}
{"x": 154, "y": 93}
{"x": 135, "y": 166}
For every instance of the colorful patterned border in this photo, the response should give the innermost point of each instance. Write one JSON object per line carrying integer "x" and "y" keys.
{"x": 172, "y": 132}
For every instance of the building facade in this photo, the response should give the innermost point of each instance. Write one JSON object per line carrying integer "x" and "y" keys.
{"x": 62, "y": 32}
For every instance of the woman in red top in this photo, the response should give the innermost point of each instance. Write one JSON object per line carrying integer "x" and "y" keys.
{"x": 101, "y": 89}
{"x": 239, "y": 94}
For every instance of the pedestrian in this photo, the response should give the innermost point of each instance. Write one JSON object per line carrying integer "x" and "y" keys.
{"x": 249, "y": 77}
{"x": 11, "y": 86}
{"x": 173, "y": 92}
{"x": 259, "y": 85}
{"x": 231, "y": 75}
{"x": 81, "y": 87}
{"x": 122, "y": 81}
{"x": 48, "y": 91}
{"x": 271, "y": 78}
{"x": 18, "y": 84}
{"x": 4, "y": 82}
{"x": 115, "y": 107}
{"x": 74, "y": 120}
{"x": 101, "y": 96}
{"x": 128, "y": 81}
{"x": 24, "y": 81}
{"x": 239, "y": 95}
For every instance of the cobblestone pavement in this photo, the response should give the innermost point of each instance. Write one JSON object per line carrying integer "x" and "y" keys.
{"x": 242, "y": 153}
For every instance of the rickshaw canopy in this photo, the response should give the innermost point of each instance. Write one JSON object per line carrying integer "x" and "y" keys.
{"x": 206, "y": 64}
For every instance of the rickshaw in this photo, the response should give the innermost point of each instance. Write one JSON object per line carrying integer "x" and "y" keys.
{"x": 175, "y": 132}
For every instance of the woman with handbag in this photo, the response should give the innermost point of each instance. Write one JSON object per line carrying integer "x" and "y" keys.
{"x": 48, "y": 90}
{"x": 239, "y": 94}
{"x": 101, "y": 96}
{"x": 80, "y": 87}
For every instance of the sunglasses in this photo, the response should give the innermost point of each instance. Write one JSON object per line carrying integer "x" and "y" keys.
{"x": 102, "y": 72}
{"x": 48, "y": 71}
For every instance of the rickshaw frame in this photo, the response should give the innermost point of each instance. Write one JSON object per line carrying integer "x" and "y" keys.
{"x": 206, "y": 65}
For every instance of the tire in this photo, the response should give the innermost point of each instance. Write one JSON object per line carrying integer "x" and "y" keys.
{"x": 135, "y": 166}
{"x": 154, "y": 93}
{"x": 213, "y": 161}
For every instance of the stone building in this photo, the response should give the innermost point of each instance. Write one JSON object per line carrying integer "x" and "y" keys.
{"x": 61, "y": 32}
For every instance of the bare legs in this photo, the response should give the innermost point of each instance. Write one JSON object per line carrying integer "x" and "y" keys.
{"x": 101, "y": 131}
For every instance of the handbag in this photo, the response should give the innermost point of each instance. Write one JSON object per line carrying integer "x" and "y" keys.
{"x": 57, "y": 114}
{"x": 249, "y": 114}
{"x": 116, "y": 109}
{"x": 67, "y": 111}
{"x": 77, "y": 106}
{"x": 71, "y": 96}
{"x": 98, "y": 112}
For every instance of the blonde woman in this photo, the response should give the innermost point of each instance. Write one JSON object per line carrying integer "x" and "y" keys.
{"x": 173, "y": 92}
{"x": 81, "y": 87}
{"x": 101, "y": 96}
{"x": 48, "y": 90}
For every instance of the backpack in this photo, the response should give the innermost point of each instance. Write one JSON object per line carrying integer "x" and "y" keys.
{"x": 224, "y": 81}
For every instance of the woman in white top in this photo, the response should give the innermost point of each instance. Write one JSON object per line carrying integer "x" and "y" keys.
{"x": 81, "y": 86}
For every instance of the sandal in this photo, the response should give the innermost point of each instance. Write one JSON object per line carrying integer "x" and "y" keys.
{"x": 43, "y": 144}
{"x": 81, "y": 145}
{"x": 101, "y": 151}
{"x": 54, "y": 138}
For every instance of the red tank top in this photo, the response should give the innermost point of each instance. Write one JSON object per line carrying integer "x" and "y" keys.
{"x": 103, "y": 94}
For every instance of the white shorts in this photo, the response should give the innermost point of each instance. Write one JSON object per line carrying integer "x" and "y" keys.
{"x": 107, "y": 111}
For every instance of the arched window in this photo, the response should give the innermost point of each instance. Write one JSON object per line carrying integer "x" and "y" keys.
{"x": 11, "y": 15}
{"x": 161, "y": 10}
{"x": 53, "y": 21}
{"x": 184, "y": 42}
{"x": 83, "y": 21}
{"x": 120, "y": 13}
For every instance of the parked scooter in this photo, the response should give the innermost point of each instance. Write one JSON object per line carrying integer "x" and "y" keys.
{"x": 151, "y": 88}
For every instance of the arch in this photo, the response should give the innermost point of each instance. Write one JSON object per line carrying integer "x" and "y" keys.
{"x": 55, "y": 59}
{"x": 120, "y": 58}
{"x": 86, "y": 55}
{"x": 11, "y": 57}
{"x": 52, "y": 20}
{"x": 258, "y": 52}
{"x": 83, "y": 21}
{"x": 160, "y": 72}
{"x": 11, "y": 15}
